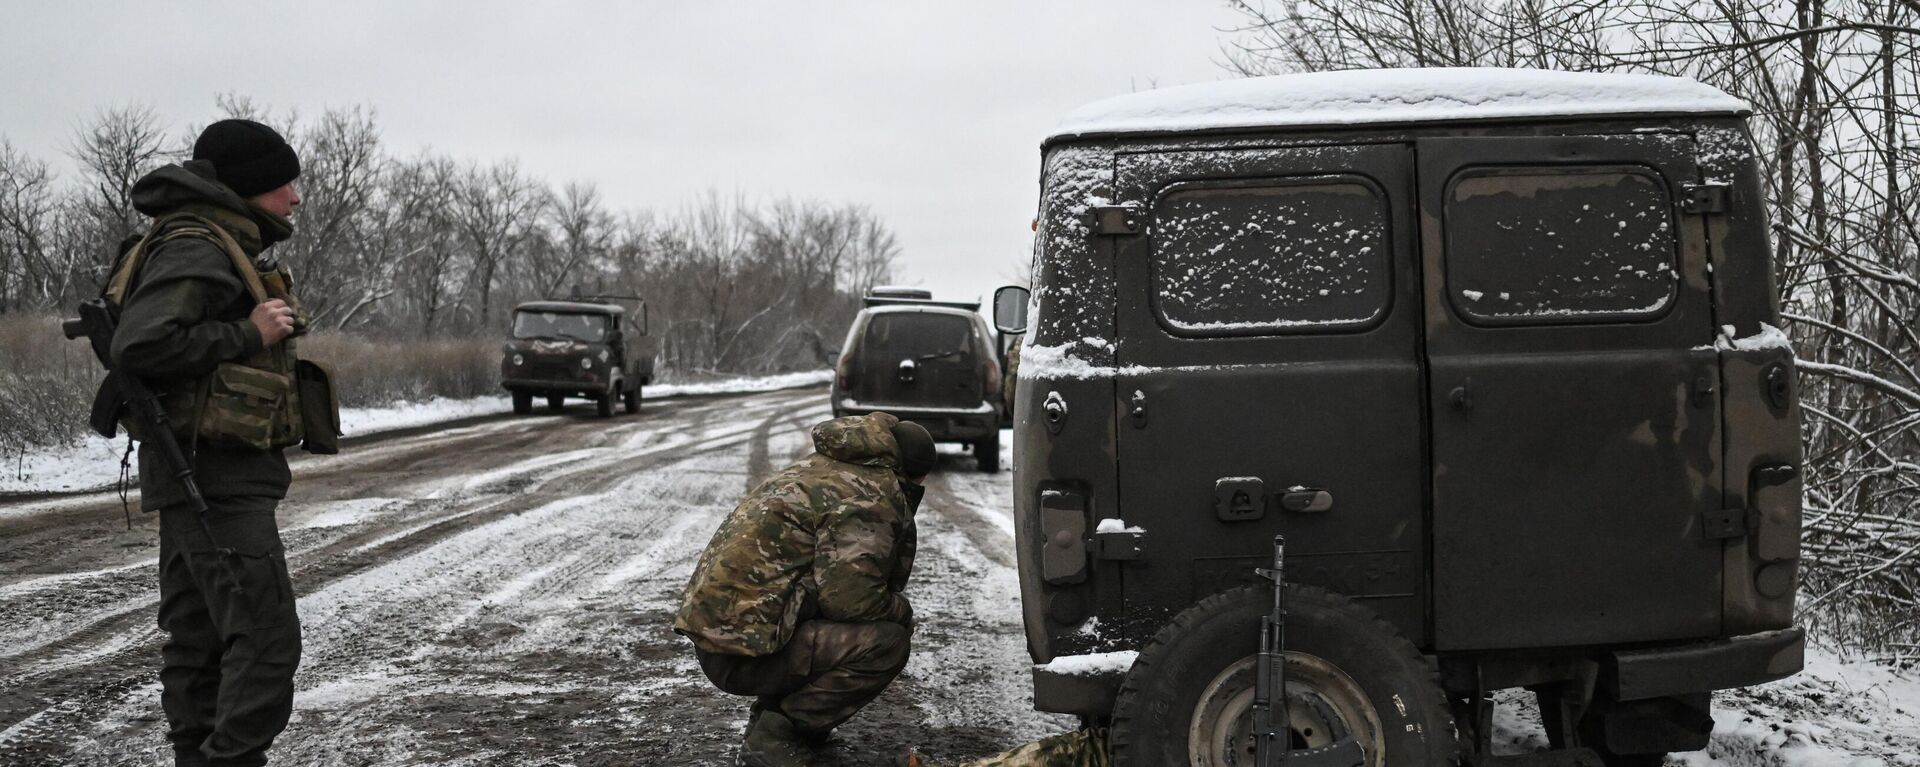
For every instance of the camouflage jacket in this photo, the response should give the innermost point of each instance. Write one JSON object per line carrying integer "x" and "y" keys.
{"x": 830, "y": 537}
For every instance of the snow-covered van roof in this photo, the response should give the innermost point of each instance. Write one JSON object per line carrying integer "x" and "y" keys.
{"x": 1366, "y": 96}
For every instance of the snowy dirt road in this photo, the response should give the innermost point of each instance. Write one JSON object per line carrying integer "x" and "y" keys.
{"x": 499, "y": 594}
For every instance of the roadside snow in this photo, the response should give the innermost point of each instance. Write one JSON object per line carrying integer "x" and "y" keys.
{"x": 743, "y": 385}
{"x": 1835, "y": 713}
{"x": 94, "y": 462}
{"x": 1394, "y": 96}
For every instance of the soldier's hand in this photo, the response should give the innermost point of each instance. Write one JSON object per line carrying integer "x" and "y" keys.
{"x": 274, "y": 320}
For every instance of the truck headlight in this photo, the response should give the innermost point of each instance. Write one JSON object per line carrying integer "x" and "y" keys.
{"x": 586, "y": 363}
{"x": 519, "y": 359}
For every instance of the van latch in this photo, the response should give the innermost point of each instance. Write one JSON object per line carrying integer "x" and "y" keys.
{"x": 1722, "y": 524}
{"x": 1709, "y": 197}
{"x": 1108, "y": 220}
{"x": 1118, "y": 544}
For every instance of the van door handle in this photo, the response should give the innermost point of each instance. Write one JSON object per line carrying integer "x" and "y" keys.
{"x": 1306, "y": 499}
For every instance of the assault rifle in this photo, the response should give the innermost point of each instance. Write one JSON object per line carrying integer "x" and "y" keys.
{"x": 124, "y": 391}
{"x": 1272, "y": 727}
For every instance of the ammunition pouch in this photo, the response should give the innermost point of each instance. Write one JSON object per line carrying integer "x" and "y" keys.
{"x": 248, "y": 407}
{"x": 319, "y": 407}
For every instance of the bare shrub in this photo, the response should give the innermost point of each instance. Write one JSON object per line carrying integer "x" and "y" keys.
{"x": 46, "y": 384}
{"x": 372, "y": 372}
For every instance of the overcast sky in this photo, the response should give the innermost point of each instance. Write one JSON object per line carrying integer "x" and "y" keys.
{"x": 930, "y": 113}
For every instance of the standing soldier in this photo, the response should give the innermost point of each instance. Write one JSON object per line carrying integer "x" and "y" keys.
{"x": 797, "y": 600}
{"x": 206, "y": 322}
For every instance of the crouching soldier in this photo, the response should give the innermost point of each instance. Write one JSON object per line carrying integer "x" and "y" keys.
{"x": 797, "y": 600}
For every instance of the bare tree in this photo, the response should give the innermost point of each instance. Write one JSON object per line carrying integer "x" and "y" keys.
{"x": 340, "y": 169}
{"x": 30, "y": 271}
{"x": 119, "y": 146}
{"x": 495, "y": 208}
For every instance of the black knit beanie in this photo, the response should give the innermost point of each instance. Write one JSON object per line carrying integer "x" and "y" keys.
{"x": 248, "y": 157}
{"x": 916, "y": 449}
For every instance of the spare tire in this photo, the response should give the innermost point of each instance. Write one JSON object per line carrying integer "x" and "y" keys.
{"x": 1189, "y": 697}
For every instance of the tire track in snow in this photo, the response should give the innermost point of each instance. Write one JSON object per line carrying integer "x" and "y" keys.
{"x": 117, "y": 655}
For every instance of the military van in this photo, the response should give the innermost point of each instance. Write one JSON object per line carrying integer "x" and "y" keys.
{"x": 590, "y": 348}
{"x": 934, "y": 363}
{"x": 1495, "y": 350}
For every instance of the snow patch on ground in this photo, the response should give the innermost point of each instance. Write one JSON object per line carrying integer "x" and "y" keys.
{"x": 1835, "y": 713}
{"x": 743, "y": 385}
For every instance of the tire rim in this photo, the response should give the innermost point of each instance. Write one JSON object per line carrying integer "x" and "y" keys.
{"x": 1323, "y": 706}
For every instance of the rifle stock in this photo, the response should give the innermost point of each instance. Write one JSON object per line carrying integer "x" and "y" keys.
{"x": 122, "y": 391}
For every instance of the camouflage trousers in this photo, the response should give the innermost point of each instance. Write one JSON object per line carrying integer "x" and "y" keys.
{"x": 233, "y": 638}
{"x": 1080, "y": 748}
{"x": 824, "y": 675}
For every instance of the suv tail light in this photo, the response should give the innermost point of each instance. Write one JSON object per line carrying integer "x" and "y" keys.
{"x": 990, "y": 378}
{"x": 843, "y": 372}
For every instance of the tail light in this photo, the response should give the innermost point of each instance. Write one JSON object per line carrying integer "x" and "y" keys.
{"x": 990, "y": 377}
{"x": 843, "y": 372}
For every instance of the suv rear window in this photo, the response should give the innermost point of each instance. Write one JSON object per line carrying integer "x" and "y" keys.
{"x": 1535, "y": 245}
{"x": 1291, "y": 255}
{"x": 918, "y": 334}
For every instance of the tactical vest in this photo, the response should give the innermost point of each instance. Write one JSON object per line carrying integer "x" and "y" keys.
{"x": 253, "y": 402}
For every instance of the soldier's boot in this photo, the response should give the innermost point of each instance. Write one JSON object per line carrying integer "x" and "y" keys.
{"x": 772, "y": 741}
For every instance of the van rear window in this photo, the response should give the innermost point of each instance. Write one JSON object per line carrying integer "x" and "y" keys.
{"x": 1534, "y": 245}
{"x": 1286, "y": 257}
{"x": 919, "y": 334}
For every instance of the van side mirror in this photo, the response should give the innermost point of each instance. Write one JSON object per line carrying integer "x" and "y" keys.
{"x": 1010, "y": 309}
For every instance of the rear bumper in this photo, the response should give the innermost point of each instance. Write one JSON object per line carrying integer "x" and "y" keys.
{"x": 1626, "y": 674}
{"x": 1706, "y": 666}
{"x": 946, "y": 424}
{"x": 549, "y": 386}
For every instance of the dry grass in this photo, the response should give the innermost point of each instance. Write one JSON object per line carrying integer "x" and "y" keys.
{"x": 372, "y": 371}
{"x": 377, "y": 371}
{"x": 47, "y": 383}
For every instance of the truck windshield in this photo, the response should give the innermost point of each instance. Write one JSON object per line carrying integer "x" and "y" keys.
{"x": 579, "y": 327}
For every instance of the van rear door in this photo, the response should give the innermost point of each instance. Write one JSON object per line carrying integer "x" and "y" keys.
{"x": 1576, "y": 424}
{"x": 1269, "y": 377}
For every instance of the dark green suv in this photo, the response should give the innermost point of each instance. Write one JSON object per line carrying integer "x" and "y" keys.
{"x": 934, "y": 363}
{"x": 1495, "y": 350}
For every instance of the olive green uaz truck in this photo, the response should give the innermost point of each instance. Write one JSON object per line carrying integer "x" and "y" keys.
{"x": 595, "y": 349}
